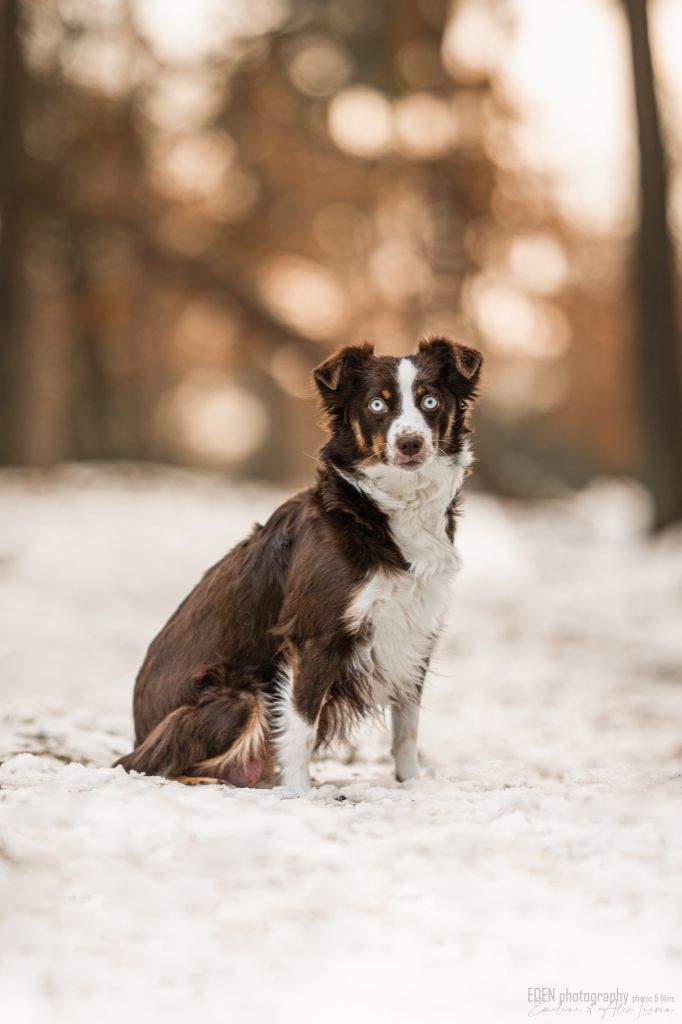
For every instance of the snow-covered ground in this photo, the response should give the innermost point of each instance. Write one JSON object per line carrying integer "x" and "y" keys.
{"x": 542, "y": 847}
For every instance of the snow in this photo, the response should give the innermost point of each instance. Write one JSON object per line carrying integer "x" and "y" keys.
{"x": 541, "y": 847}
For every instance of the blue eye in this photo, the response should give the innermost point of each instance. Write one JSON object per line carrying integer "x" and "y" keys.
{"x": 430, "y": 402}
{"x": 377, "y": 405}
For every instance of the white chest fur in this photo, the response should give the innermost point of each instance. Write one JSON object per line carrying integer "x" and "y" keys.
{"x": 403, "y": 615}
{"x": 403, "y": 612}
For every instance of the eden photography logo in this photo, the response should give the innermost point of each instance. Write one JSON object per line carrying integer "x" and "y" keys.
{"x": 550, "y": 1001}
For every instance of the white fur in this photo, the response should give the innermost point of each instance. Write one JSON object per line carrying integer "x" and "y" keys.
{"x": 404, "y": 613}
{"x": 405, "y": 610}
{"x": 409, "y": 420}
{"x": 294, "y": 738}
{"x": 415, "y": 502}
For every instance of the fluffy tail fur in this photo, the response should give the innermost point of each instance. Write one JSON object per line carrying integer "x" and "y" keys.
{"x": 223, "y": 736}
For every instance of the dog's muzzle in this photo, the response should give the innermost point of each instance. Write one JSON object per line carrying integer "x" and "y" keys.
{"x": 410, "y": 451}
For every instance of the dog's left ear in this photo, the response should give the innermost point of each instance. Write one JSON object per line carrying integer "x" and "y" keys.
{"x": 330, "y": 374}
{"x": 461, "y": 362}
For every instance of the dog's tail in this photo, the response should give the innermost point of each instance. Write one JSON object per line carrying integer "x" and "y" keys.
{"x": 224, "y": 735}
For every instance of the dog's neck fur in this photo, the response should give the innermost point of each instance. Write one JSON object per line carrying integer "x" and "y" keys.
{"x": 418, "y": 507}
{"x": 431, "y": 488}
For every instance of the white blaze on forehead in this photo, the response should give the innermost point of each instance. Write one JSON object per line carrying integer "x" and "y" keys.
{"x": 409, "y": 419}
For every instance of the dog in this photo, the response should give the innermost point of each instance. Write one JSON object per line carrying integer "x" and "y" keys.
{"x": 331, "y": 609}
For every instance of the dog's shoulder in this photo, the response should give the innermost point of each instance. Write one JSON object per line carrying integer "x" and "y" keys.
{"x": 340, "y": 538}
{"x": 359, "y": 526}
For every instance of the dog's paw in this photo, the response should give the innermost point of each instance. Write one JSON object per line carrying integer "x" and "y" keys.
{"x": 292, "y": 792}
{"x": 294, "y": 788}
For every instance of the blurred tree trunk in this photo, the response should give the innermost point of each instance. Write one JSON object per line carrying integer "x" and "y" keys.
{"x": 91, "y": 398}
{"x": 657, "y": 343}
{"x": 14, "y": 348}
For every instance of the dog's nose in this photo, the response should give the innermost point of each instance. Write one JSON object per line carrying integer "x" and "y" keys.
{"x": 410, "y": 444}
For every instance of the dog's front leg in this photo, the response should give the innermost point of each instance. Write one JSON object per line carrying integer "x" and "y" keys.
{"x": 405, "y": 722}
{"x": 295, "y": 744}
{"x": 303, "y": 690}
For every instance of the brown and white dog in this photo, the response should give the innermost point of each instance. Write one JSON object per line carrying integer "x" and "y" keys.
{"x": 331, "y": 609}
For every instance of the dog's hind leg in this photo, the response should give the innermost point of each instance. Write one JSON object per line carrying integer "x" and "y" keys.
{"x": 223, "y": 734}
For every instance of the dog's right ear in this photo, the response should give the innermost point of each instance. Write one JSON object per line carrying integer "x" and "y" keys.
{"x": 330, "y": 374}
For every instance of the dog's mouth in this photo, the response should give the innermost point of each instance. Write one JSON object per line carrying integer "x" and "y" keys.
{"x": 409, "y": 462}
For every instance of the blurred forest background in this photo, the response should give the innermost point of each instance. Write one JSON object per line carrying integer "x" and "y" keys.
{"x": 201, "y": 198}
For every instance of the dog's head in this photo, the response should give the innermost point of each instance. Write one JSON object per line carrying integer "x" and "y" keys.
{"x": 398, "y": 412}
